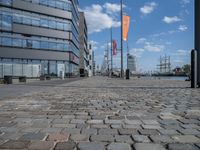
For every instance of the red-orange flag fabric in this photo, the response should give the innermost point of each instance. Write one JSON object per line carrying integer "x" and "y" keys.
{"x": 126, "y": 24}
{"x": 114, "y": 47}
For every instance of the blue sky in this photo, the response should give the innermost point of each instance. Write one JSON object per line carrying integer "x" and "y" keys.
{"x": 158, "y": 27}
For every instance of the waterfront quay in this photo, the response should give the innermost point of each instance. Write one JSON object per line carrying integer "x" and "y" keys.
{"x": 101, "y": 113}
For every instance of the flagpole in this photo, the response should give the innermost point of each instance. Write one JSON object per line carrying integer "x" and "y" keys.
{"x": 127, "y": 54}
{"x": 122, "y": 72}
{"x": 111, "y": 51}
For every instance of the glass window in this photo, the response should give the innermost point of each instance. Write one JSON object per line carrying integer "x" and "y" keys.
{"x": 6, "y": 41}
{"x": 66, "y": 26}
{"x": 44, "y": 45}
{"x": 43, "y": 2}
{"x": 6, "y": 22}
{"x": 29, "y": 43}
{"x": 59, "y": 26}
{"x": 17, "y": 42}
{"x": 26, "y": 20}
{"x": 6, "y": 2}
{"x": 52, "y": 45}
{"x": 24, "y": 43}
{"x": 35, "y": 22}
{"x": 52, "y": 24}
{"x": 36, "y": 44}
{"x": 66, "y": 6}
{"x": 17, "y": 18}
{"x": 53, "y": 69}
{"x": 66, "y": 47}
{"x": 60, "y": 46}
{"x": 0, "y": 21}
{"x": 59, "y": 5}
{"x": 35, "y": 1}
{"x": 44, "y": 23}
{"x": 0, "y": 40}
{"x": 52, "y": 3}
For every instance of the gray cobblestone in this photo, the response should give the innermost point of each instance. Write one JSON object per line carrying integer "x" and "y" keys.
{"x": 144, "y": 146}
{"x": 91, "y": 146}
{"x": 141, "y": 139}
{"x": 65, "y": 146}
{"x": 108, "y": 131}
{"x": 119, "y": 146}
{"x": 182, "y": 147}
{"x": 102, "y": 138}
{"x": 102, "y": 111}
{"x": 123, "y": 139}
{"x": 161, "y": 139}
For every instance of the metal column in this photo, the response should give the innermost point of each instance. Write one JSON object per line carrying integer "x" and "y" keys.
{"x": 197, "y": 37}
{"x": 122, "y": 68}
{"x": 194, "y": 69}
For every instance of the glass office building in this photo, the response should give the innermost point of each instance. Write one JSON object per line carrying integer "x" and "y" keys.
{"x": 39, "y": 37}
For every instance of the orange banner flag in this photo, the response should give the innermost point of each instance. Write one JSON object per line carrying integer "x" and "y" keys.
{"x": 126, "y": 24}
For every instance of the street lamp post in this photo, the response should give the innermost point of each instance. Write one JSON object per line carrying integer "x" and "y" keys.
{"x": 197, "y": 37}
{"x": 122, "y": 72}
{"x": 111, "y": 52}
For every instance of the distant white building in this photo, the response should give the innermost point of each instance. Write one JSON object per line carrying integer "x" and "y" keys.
{"x": 132, "y": 63}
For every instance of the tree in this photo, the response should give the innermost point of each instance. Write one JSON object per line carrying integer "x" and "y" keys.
{"x": 187, "y": 69}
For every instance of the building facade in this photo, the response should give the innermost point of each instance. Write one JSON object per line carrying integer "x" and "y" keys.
{"x": 84, "y": 52}
{"x": 132, "y": 63}
{"x": 39, "y": 37}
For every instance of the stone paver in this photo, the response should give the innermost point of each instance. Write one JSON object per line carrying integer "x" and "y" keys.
{"x": 11, "y": 144}
{"x": 123, "y": 139}
{"x": 79, "y": 137}
{"x": 41, "y": 145}
{"x": 161, "y": 139}
{"x": 119, "y": 146}
{"x": 57, "y": 137}
{"x": 102, "y": 138}
{"x": 186, "y": 139}
{"x": 141, "y": 139}
{"x": 144, "y": 146}
{"x": 33, "y": 136}
{"x": 102, "y": 113}
{"x": 182, "y": 147}
{"x": 91, "y": 146}
{"x": 65, "y": 146}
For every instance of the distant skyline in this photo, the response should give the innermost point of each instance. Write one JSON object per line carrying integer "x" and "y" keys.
{"x": 157, "y": 28}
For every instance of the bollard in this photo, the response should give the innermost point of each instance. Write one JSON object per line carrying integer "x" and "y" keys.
{"x": 194, "y": 69}
{"x": 127, "y": 74}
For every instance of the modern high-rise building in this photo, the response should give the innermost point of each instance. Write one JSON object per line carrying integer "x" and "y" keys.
{"x": 84, "y": 52}
{"x": 132, "y": 63}
{"x": 39, "y": 37}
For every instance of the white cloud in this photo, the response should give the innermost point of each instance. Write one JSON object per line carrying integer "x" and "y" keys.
{"x": 98, "y": 19}
{"x": 185, "y": 1}
{"x": 112, "y": 8}
{"x": 141, "y": 41}
{"x": 137, "y": 52}
{"x": 151, "y": 47}
{"x": 182, "y": 52}
{"x": 148, "y": 8}
{"x": 183, "y": 28}
{"x": 169, "y": 20}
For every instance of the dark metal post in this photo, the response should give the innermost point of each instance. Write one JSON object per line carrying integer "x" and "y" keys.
{"x": 127, "y": 70}
{"x": 111, "y": 52}
{"x": 122, "y": 70}
{"x": 197, "y": 37}
{"x": 194, "y": 69}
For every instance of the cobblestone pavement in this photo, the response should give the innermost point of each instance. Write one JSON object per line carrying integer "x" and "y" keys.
{"x": 100, "y": 113}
